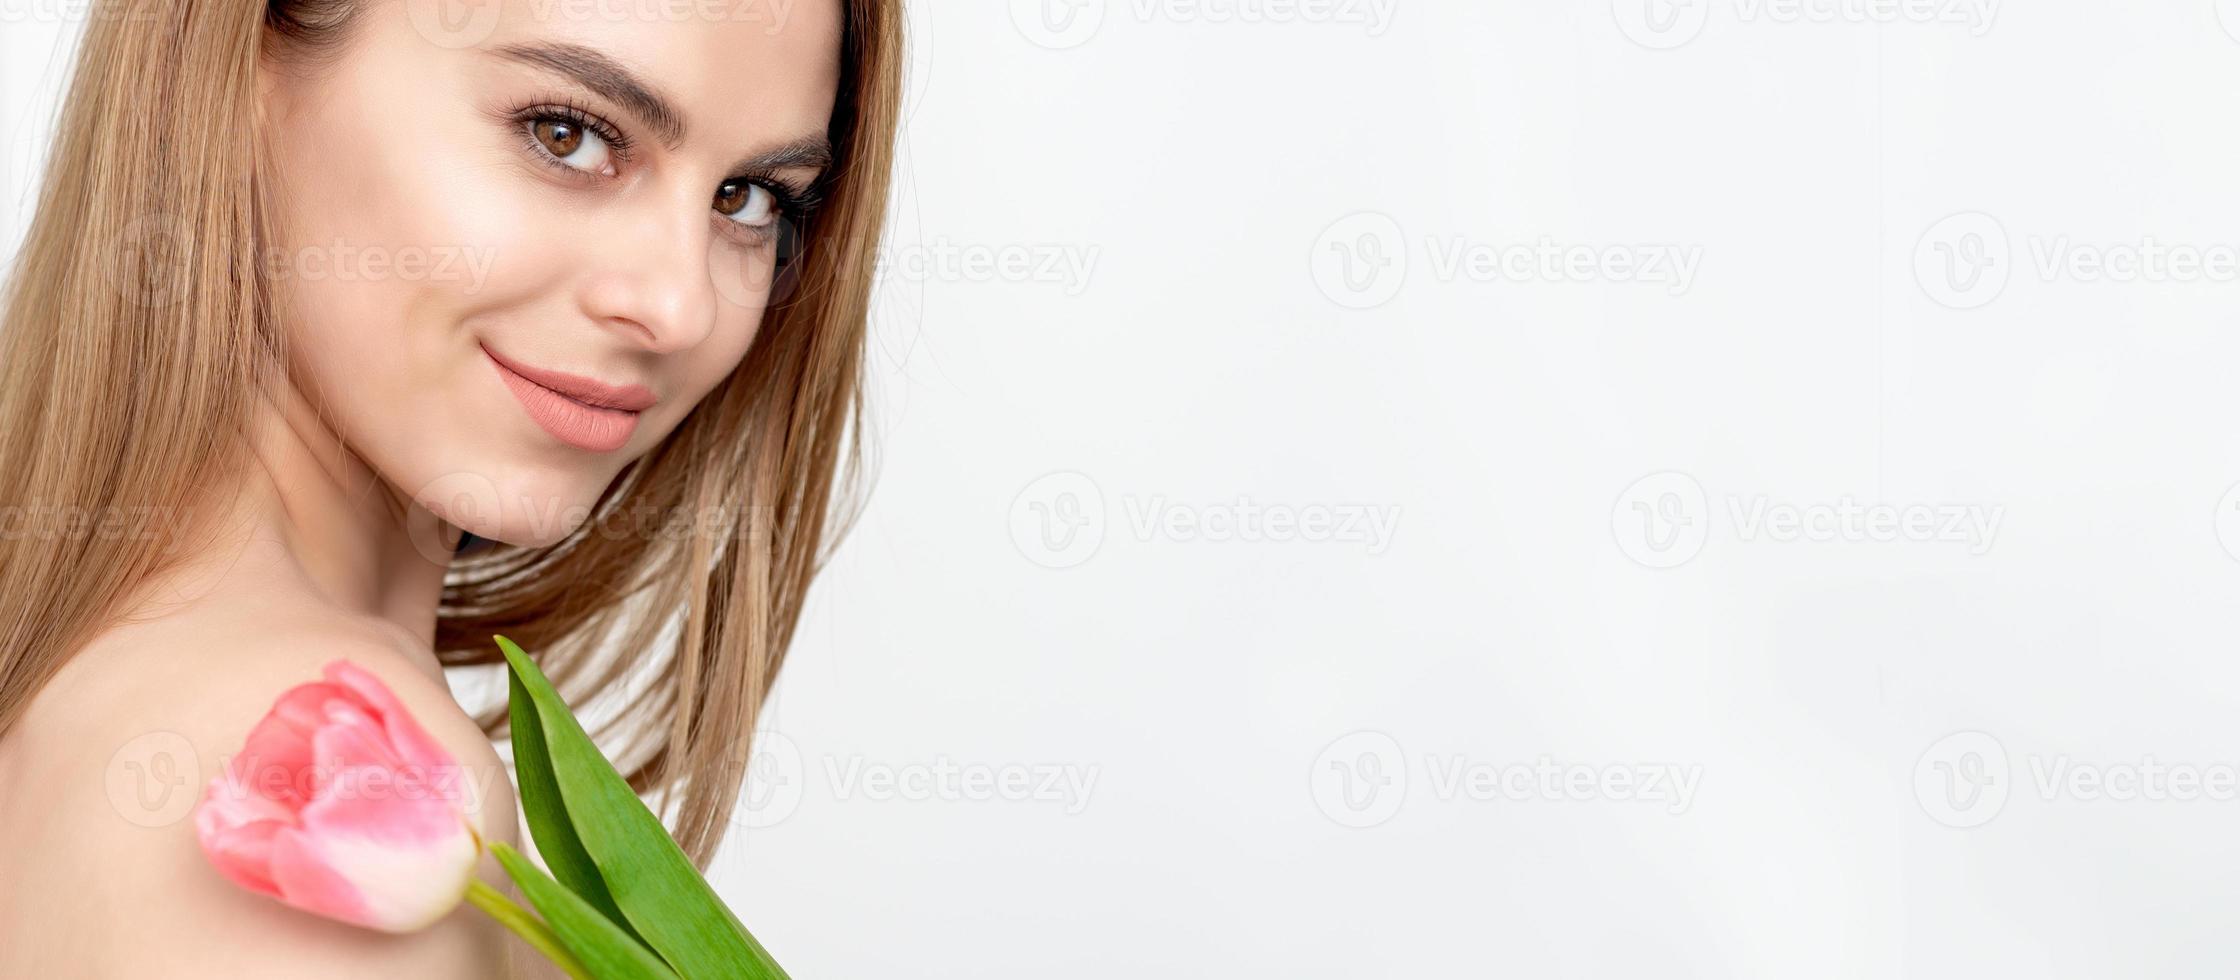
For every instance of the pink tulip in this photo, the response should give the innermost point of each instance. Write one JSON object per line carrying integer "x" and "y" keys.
{"x": 341, "y": 805}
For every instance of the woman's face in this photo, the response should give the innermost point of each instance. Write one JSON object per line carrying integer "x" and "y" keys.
{"x": 469, "y": 202}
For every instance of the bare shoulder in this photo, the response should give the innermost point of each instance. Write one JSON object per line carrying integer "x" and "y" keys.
{"x": 105, "y": 770}
{"x": 201, "y": 683}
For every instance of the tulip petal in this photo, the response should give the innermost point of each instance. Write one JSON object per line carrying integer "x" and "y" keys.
{"x": 277, "y": 757}
{"x": 351, "y": 745}
{"x": 412, "y": 742}
{"x": 244, "y": 854}
{"x": 341, "y": 805}
{"x": 228, "y": 803}
{"x": 300, "y": 709}
{"x": 379, "y": 801}
{"x": 409, "y": 860}
{"x": 307, "y": 882}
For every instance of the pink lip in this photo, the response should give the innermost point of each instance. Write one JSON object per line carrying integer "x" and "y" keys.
{"x": 592, "y": 392}
{"x": 552, "y": 401}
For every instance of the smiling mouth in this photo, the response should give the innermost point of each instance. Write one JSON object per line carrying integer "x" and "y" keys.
{"x": 570, "y": 420}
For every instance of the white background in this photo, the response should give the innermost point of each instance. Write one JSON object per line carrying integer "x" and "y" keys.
{"x": 1946, "y": 755}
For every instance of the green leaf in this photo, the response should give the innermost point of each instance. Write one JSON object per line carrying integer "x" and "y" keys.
{"x": 547, "y": 815}
{"x": 597, "y": 941}
{"x": 532, "y": 930}
{"x": 650, "y": 878}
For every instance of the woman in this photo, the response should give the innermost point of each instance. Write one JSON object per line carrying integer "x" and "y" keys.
{"x": 317, "y": 290}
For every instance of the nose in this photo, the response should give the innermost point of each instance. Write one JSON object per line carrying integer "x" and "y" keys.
{"x": 651, "y": 281}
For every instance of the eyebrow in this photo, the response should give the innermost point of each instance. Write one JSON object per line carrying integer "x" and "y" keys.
{"x": 606, "y": 76}
{"x": 600, "y": 73}
{"x": 806, "y": 153}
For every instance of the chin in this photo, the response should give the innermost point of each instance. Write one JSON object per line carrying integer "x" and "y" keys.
{"x": 527, "y": 506}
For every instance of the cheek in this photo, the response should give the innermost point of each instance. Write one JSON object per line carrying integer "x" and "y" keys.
{"x": 391, "y": 252}
{"x": 394, "y": 231}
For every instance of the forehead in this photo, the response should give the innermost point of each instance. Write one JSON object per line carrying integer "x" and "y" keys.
{"x": 728, "y": 66}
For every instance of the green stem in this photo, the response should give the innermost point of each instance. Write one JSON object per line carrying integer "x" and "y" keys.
{"x": 527, "y": 926}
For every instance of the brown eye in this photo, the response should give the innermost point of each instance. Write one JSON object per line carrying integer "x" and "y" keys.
{"x": 746, "y": 203}
{"x": 572, "y": 144}
{"x": 731, "y": 196}
{"x": 558, "y": 136}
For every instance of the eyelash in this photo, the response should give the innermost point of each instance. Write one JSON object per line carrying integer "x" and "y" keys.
{"x": 794, "y": 204}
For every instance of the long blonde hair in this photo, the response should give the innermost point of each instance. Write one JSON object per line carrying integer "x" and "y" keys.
{"x": 137, "y": 332}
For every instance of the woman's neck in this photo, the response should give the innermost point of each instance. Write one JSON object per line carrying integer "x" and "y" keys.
{"x": 311, "y": 506}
